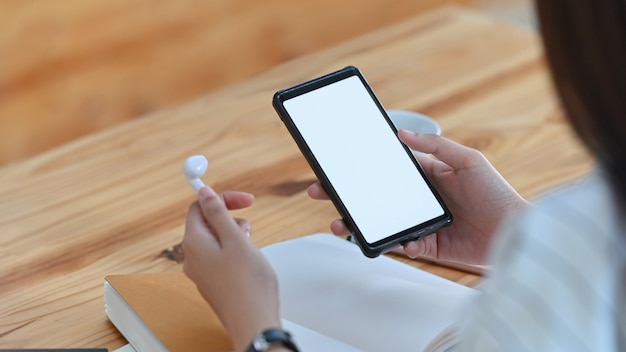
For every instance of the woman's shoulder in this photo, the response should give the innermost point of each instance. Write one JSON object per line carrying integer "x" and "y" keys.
{"x": 554, "y": 277}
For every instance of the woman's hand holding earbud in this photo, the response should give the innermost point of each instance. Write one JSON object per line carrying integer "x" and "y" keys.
{"x": 231, "y": 273}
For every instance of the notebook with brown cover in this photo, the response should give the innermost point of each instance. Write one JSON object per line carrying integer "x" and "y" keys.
{"x": 172, "y": 309}
{"x": 332, "y": 299}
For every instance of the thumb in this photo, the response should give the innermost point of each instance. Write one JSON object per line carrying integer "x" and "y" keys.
{"x": 218, "y": 218}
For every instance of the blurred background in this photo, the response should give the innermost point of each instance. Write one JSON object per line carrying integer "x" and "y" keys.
{"x": 71, "y": 67}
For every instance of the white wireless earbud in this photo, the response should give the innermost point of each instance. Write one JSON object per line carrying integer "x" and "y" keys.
{"x": 195, "y": 166}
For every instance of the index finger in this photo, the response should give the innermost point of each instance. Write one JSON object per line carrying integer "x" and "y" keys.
{"x": 316, "y": 191}
{"x": 237, "y": 200}
{"x": 454, "y": 154}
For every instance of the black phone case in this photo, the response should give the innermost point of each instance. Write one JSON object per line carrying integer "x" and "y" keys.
{"x": 369, "y": 249}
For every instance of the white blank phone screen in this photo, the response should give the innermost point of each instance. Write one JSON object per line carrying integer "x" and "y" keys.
{"x": 363, "y": 159}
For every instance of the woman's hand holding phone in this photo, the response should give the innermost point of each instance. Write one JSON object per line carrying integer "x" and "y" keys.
{"x": 476, "y": 194}
{"x": 317, "y": 114}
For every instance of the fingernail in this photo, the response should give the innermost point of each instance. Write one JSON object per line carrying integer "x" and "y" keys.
{"x": 409, "y": 132}
{"x": 207, "y": 192}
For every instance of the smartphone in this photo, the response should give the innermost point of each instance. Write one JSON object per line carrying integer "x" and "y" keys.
{"x": 372, "y": 178}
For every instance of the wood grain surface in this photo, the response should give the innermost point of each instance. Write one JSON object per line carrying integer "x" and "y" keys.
{"x": 110, "y": 203}
{"x": 70, "y": 67}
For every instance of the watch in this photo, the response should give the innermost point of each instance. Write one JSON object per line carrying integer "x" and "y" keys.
{"x": 270, "y": 338}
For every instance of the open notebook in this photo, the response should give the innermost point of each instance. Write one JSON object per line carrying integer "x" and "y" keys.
{"x": 332, "y": 299}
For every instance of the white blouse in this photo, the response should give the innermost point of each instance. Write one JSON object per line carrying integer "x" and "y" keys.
{"x": 558, "y": 280}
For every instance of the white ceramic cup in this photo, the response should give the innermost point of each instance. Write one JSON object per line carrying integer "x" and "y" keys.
{"x": 414, "y": 121}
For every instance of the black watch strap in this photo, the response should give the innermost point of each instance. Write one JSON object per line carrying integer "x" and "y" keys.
{"x": 270, "y": 338}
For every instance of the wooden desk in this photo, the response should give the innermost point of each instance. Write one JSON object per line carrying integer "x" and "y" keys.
{"x": 111, "y": 202}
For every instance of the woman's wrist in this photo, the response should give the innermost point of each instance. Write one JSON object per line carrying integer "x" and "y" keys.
{"x": 272, "y": 339}
{"x": 249, "y": 330}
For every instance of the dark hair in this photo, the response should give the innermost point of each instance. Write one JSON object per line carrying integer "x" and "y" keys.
{"x": 585, "y": 44}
